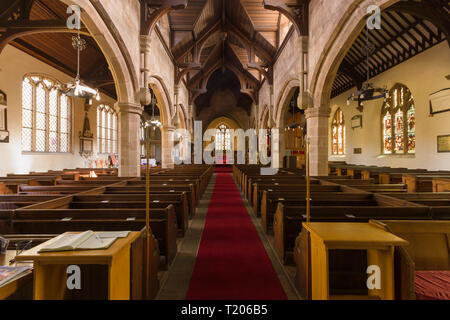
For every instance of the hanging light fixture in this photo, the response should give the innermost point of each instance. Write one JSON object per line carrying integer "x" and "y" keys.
{"x": 368, "y": 91}
{"x": 154, "y": 123}
{"x": 77, "y": 88}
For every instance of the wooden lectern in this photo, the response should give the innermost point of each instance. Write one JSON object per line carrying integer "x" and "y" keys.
{"x": 105, "y": 274}
{"x": 378, "y": 243}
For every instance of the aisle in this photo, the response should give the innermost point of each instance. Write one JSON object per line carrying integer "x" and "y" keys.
{"x": 231, "y": 262}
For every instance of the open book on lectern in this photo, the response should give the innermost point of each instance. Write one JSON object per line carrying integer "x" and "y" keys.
{"x": 88, "y": 240}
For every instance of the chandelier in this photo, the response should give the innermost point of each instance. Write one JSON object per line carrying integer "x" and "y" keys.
{"x": 77, "y": 88}
{"x": 153, "y": 122}
{"x": 368, "y": 91}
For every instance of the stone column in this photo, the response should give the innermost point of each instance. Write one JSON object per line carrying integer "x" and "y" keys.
{"x": 130, "y": 140}
{"x": 144, "y": 48}
{"x": 317, "y": 129}
{"x": 167, "y": 135}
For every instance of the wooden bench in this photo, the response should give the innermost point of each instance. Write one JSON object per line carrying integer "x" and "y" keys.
{"x": 175, "y": 189}
{"x": 271, "y": 199}
{"x": 38, "y": 221}
{"x": 428, "y": 250}
{"x": 136, "y": 201}
{"x": 258, "y": 190}
{"x": 441, "y": 184}
{"x": 288, "y": 220}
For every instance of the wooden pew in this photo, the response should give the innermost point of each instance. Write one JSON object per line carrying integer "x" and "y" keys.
{"x": 380, "y": 188}
{"x": 258, "y": 190}
{"x": 275, "y": 180}
{"x": 38, "y": 221}
{"x": 288, "y": 220}
{"x": 427, "y": 251}
{"x": 441, "y": 185}
{"x": 271, "y": 199}
{"x": 61, "y": 189}
{"x": 439, "y": 203}
{"x": 157, "y": 189}
{"x": 138, "y": 201}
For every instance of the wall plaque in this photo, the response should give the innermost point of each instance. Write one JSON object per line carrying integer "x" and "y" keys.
{"x": 440, "y": 101}
{"x": 443, "y": 143}
{"x": 4, "y": 133}
{"x": 357, "y": 122}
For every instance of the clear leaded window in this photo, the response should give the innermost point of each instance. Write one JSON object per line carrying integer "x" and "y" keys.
{"x": 399, "y": 122}
{"x": 223, "y": 138}
{"x": 107, "y": 129}
{"x": 338, "y": 133}
{"x": 46, "y": 116}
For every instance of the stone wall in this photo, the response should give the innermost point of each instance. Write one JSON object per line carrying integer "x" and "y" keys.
{"x": 126, "y": 17}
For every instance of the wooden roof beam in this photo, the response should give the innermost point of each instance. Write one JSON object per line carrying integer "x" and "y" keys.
{"x": 296, "y": 11}
{"x": 432, "y": 12}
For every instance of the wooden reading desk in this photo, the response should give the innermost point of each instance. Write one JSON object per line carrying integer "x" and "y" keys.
{"x": 109, "y": 268}
{"x": 351, "y": 236}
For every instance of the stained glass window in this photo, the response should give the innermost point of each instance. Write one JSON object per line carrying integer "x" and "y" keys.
{"x": 223, "y": 138}
{"x": 387, "y": 133}
{"x": 107, "y": 120}
{"x": 398, "y": 122}
{"x": 411, "y": 127}
{"x": 46, "y": 116}
{"x": 338, "y": 133}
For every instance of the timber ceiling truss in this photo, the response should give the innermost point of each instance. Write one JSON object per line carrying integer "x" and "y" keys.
{"x": 38, "y": 27}
{"x": 242, "y": 36}
{"x": 407, "y": 29}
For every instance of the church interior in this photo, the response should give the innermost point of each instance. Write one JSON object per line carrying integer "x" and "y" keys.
{"x": 225, "y": 150}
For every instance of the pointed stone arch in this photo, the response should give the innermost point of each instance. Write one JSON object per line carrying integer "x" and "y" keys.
{"x": 163, "y": 97}
{"x": 284, "y": 97}
{"x": 115, "y": 51}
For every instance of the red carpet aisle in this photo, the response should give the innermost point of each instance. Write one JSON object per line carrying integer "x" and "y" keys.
{"x": 232, "y": 263}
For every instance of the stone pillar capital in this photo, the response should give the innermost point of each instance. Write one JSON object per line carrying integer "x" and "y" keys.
{"x": 303, "y": 43}
{"x": 176, "y": 89}
{"x": 144, "y": 43}
{"x": 130, "y": 108}
{"x": 168, "y": 128}
{"x": 317, "y": 113}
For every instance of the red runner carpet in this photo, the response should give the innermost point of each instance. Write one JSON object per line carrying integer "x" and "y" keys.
{"x": 232, "y": 263}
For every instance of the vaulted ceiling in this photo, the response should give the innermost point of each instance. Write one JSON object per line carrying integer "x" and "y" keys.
{"x": 236, "y": 35}
{"x": 54, "y": 48}
{"x": 407, "y": 29}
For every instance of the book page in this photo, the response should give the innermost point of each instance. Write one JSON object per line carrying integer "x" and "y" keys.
{"x": 113, "y": 234}
{"x": 67, "y": 241}
{"x": 94, "y": 242}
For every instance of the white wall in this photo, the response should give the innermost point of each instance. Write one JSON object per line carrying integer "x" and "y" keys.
{"x": 14, "y": 64}
{"x": 423, "y": 75}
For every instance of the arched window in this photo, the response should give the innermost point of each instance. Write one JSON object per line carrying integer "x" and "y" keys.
{"x": 338, "y": 130}
{"x": 399, "y": 122}
{"x": 46, "y": 116}
{"x": 223, "y": 138}
{"x": 106, "y": 129}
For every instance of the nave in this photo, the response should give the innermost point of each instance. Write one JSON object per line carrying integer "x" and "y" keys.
{"x": 231, "y": 259}
{"x": 282, "y": 150}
